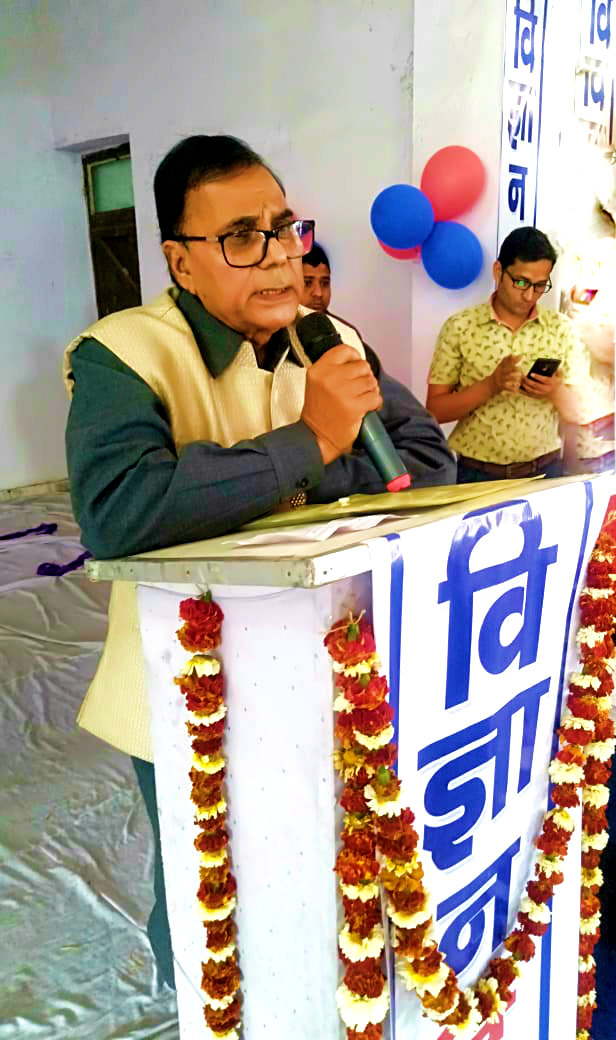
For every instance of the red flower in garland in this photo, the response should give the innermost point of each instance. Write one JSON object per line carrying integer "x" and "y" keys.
{"x": 575, "y": 735}
{"x": 446, "y": 996}
{"x": 371, "y": 722}
{"x": 540, "y": 891}
{"x": 604, "y": 728}
{"x": 531, "y": 927}
{"x": 349, "y": 641}
{"x": 385, "y": 756}
{"x": 603, "y": 649}
{"x": 591, "y": 859}
{"x": 361, "y": 917}
{"x": 565, "y": 795}
{"x": 207, "y": 747}
{"x": 460, "y": 1014}
{"x": 361, "y": 841}
{"x": 396, "y": 835}
{"x": 430, "y": 964}
{"x": 571, "y": 755}
{"x": 365, "y": 977}
{"x": 593, "y": 820}
{"x": 410, "y": 941}
{"x": 220, "y": 934}
{"x": 215, "y": 898}
{"x": 371, "y": 1032}
{"x": 220, "y": 978}
{"x": 583, "y": 707}
{"x": 553, "y": 841}
{"x": 555, "y": 878}
{"x": 352, "y": 799}
{"x": 363, "y": 694}
{"x": 596, "y": 772}
{"x": 588, "y": 943}
{"x": 215, "y": 729}
{"x": 502, "y": 969}
{"x": 520, "y": 945}
{"x": 584, "y": 1016}
{"x": 223, "y": 1021}
{"x": 211, "y": 840}
{"x": 589, "y": 904}
{"x": 586, "y": 982}
{"x": 409, "y": 901}
{"x": 202, "y": 623}
{"x": 352, "y": 869}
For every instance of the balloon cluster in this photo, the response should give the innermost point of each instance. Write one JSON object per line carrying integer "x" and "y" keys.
{"x": 410, "y": 222}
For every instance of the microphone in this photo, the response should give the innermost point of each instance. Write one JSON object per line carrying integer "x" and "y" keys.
{"x": 317, "y": 334}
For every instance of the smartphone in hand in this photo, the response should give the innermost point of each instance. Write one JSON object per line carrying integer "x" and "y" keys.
{"x": 544, "y": 366}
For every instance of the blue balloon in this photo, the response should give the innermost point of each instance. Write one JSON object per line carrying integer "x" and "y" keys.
{"x": 452, "y": 255}
{"x": 401, "y": 216}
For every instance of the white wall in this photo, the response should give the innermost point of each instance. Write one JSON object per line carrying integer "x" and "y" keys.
{"x": 323, "y": 90}
{"x": 458, "y": 83}
{"x": 46, "y": 292}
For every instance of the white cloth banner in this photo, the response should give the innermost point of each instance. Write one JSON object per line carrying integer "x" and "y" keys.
{"x": 476, "y": 618}
{"x": 522, "y": 98}
{"x": 472, "y": 616}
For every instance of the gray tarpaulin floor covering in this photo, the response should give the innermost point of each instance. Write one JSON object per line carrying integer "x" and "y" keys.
{"x": 75, "y": 844}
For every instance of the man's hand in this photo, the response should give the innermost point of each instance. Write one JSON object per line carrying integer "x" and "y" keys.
{"x": 340, "y": 390}
{"x": 506, "y": 375}
{"x": 541, "y": 386}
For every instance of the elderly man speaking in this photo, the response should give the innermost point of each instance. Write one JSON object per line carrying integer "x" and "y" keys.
{"x": 200, "y": 411}
{"x": 197, "y": 412}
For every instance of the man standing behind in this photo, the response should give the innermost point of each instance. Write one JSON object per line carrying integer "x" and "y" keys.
{"x": 507, "y": 421}
{"x": 317, "y": 279}
{"x": 200, "y": 411}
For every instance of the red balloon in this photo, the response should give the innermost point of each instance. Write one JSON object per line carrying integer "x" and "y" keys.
{"x": 453, "y": 179}
{"x": 401, "y": 254}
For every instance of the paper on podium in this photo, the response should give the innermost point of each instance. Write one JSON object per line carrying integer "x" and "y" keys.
{"x": 316, "y": 532}
{"x": 384, "y": 505}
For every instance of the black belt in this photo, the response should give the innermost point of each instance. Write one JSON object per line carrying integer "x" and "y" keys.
{"x": 512, "y": 469}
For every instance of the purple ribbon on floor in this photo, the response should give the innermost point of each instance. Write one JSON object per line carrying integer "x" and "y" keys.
{"x": 56, "y": 570}
{"x": 41, "y": 529}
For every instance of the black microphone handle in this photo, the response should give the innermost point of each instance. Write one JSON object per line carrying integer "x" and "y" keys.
{"x": 317, "y": 335}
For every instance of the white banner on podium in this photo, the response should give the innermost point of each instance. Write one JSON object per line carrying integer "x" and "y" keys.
{"x": 476, "y": 618}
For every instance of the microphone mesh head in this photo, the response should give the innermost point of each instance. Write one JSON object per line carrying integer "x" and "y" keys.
{"x": 317, "y": 334}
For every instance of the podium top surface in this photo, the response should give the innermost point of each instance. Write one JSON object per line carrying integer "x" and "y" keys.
{"x": 286, "y": 550}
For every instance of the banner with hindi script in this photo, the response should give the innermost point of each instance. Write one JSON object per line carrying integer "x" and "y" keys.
{"x": 594, "y": 81}
{"x": 475, "y": 621}
{"x": 522, "y": 99}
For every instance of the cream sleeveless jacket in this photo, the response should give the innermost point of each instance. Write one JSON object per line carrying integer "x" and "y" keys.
{"x": 243, "y": 402}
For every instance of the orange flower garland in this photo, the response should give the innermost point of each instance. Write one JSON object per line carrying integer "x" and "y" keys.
{"x": 201, "y": 682}
{"x": 379, "y": 842}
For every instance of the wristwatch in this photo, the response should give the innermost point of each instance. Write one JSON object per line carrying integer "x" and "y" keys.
{"x": 297, "y": 500}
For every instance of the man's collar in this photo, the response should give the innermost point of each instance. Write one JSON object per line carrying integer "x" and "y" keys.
{"x": 487, "y": 314}
{"x": 219, "y": 344}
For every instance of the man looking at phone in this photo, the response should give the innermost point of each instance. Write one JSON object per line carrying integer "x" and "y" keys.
{"x": 507, "y": 371}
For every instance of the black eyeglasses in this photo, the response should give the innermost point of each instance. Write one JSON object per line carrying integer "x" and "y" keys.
{"x": 523, "y": 284}
{"x": 247, "y": 248}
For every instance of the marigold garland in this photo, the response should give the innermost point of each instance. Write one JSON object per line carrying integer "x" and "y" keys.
{"x": 378, "y": 851}
{"x": 201, "y": 683}
{"x": 379, "y": 842}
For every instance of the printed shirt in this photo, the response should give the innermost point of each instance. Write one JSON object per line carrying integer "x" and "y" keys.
{"x": 509, "y": 427}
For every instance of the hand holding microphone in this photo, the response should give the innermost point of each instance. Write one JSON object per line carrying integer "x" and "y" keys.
{"x": 340, "y": 389}
{"x": 341, "y": 400}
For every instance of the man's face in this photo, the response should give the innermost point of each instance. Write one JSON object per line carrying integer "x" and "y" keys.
{"x": 515, "y": 301}
{"x": 317, "y": 287}
{"x": 255, "y": 301}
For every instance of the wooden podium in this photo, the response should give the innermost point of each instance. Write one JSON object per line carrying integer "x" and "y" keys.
{"x": 457, "y": 685}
